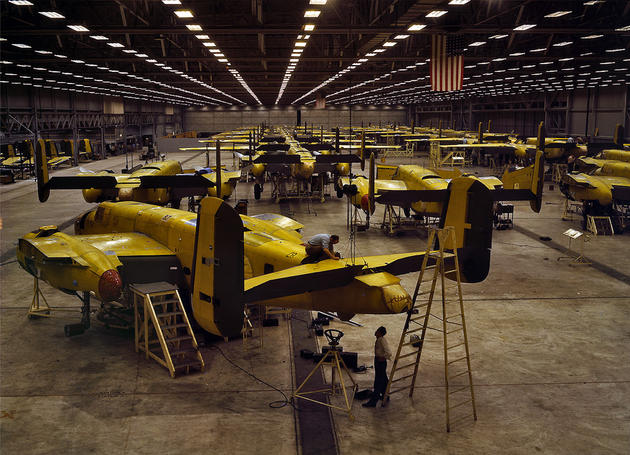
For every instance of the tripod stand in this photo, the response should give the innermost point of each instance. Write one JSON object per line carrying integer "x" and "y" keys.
{"x": 334, "y": 359}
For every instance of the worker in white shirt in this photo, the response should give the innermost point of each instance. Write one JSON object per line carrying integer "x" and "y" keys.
{"x": 320, "y": 247}
{"x": 381, "y": 355}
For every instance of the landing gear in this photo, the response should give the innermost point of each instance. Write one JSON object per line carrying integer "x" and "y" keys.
{"x": 77, "y": 329}
{"x": 257, "y": 191}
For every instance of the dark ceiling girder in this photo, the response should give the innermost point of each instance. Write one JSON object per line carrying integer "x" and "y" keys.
{"x": 270, "y": 30}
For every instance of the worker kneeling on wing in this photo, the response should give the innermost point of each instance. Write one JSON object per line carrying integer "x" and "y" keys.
{"x": 320, "y": 247}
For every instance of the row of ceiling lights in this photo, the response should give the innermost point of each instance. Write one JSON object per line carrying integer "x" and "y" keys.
{"x": 439, "y": 13}
{"x": 116, "y": 45}
{"x": 300, "y": 45}
{"x": 210, "y": 45}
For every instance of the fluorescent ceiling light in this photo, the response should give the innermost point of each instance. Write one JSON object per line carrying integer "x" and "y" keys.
{"x": 389, "y": 44}
{"x": 78, "y": 28}
{"x": 21, "y": 46}
{"x": 309, "y": 27}
{"x": 311, "y": 13}
{"x": 591, "y": 36}
{"x": 223, "y": 60}
{"x": 593, "y": 2}
{"x": 300, "y": 43}
{"x": 129, "y": 51}
{"x": 52, "y": 14}
{"x": 183, "y": 13}
{"x": 416, "y": 27}
{"x": 194, "y": 27}
{"x": 202, "y": 37}
{"x": 520, "y": 28}
{"x": 317, "y": 2}
{"x": 172, "y": 2}
{"x": 623, "y": 29}
{"x": 558, "y": 14}
{"x": 477, "y": 43}
{"x": 517, "y": 54}
{"x": 458, "y": 2}
{"x": 44, "y": 52}
{"x": 115, "y": 45}
{"x": 151, "y": 60}
{"x": 436, "y": 13}
{"x": 99, "y": 37}
{"x": 621, "y": 49}
{"x": 540, "y": 49}
{"x": 209, "y": 44}
{"x": 20, "y": 2}
{"x": 497, "y": 37}
{"x": 563, "y": 43}
{"x": 401, "y": 36}
{"x": 77, "y": 61}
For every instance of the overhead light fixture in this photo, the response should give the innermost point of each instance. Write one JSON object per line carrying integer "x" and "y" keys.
{"x": 558, "y": 14}
{"x": 99, "y": 37}
{"x": 563, "y": 43}
{"x": 317, "y": 2}
{"x": 497, "y": 36}
{"x": 437, "y": 13}
{"x": 44, "y": 52}
{"x": 115, "y": 45}
{"x": 311, "y": 13}
{"x": 77, "y": 61}
{"x": 389, "y": 44}
{"x": 172, "y": 2}
{"x": 151, "y": 60}
{"x": 223, "y": 60}
{"x": 300, "y": 43}
{"x": 129, "y": 51}
{"x": 21, "y": 46}
{"x": 523, "y": 27}
{"x": 458, "y": 2}
{"x": 591, "y": 36}
{"x": 78, "y": 28}
{"x": 52, "y": 14}
{"x": 621, "y": 49}
{"x": 623, "y": 29}
{"x": 593, "y": 2}
{"x": 20, "y": 2}
{"x": 183, "y": 13}
{"x": 202, "y": 37}
{"x": 309, "y": 27}
{"x": 517, "y": 54}
{"x": 540, "y": 49}
{"x": 401, "y": 36}
{"x": 209, "y": 44}
{"x": 194, "y": 27}
{"x": 477, "y": 43}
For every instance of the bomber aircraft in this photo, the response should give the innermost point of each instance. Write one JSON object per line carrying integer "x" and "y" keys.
{"x": 222, "y": 260}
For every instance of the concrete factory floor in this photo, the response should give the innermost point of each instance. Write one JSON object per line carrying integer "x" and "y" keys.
{"x": 549, "y": 351}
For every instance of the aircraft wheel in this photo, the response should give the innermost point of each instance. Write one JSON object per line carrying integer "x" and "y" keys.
{"x": 339, "y": 192}
{"x": 257, "y": 191}
{"x": 73, "y": 329}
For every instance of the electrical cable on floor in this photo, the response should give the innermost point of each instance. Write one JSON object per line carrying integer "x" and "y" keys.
{"x": 8, "y": 262}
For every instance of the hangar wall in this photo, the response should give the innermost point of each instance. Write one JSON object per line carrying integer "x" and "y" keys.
{"x": 229, "y": 118}
{"x": 578, "y": 113}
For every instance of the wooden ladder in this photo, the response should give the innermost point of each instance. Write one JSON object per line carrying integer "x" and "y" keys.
{"x": 452, "y": 325}
{"x": 162, "y": 328}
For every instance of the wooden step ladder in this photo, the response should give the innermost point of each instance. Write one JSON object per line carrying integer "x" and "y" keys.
{"x": 162, "y": 329}
{"x": 451, "y": 323}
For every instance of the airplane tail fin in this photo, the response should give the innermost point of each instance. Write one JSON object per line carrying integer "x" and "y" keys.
{"x": 619, "y": 134}
{"x": 529, "y": 178}
{"x": 217, "y": 275}
{"x": 41, "y": 172}
{"x": 469, "y": 210}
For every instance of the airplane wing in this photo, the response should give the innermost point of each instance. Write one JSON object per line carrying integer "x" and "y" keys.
{"x": 281, "y": 221}
{"x": 78, "y": 182}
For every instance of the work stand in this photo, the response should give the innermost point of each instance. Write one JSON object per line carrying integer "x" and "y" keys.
{"x": 331, "y": 358}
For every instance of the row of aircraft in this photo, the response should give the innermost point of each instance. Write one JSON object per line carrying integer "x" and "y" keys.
{"x": 222, "y": 260}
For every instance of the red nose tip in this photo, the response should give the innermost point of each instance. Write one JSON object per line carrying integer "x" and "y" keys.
{"x": 109, "y": 285}
{"x": 365, "y": 203}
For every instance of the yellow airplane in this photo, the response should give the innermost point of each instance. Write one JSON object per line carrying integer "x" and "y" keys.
{"x": 419, "y": 189}
{"x": 222, "y": 260}
{"x": 161, "y": 183}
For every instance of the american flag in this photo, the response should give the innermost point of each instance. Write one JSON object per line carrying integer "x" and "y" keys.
{"x": 447, "y": 68}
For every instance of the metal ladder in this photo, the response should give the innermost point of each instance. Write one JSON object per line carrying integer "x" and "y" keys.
{"x": 162, "y": 328}
{"x": 452, "y": 325}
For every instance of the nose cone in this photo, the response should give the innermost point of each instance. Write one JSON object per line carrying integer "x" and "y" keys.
{"x": 109, "y": 285}
{"x": 365, "y": 204}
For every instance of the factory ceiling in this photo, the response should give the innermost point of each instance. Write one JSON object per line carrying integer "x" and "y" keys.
{"x": 234, "y": 52}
